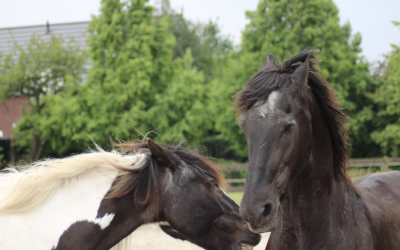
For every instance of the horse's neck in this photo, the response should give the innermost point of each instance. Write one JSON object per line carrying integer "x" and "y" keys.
{"x": 318, "y": 198}
{"x": 318, "y": 204}
{"x": 128, "y": 218}
{"x": 76, "y": 201}
{"x": 125, "y": 217}
{"x": 318, "y": 179}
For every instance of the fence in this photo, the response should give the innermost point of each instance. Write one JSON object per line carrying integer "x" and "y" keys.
{"x": 356, "y": 168}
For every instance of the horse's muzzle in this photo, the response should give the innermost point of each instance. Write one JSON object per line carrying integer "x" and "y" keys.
{"x": 260, "y": 218}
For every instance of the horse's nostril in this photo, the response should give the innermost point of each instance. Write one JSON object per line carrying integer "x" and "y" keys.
{"x": 267, "y": 210}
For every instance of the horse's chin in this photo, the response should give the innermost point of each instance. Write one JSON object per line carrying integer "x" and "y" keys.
{"x": 265, "y": 228}
{"x": 248, "y": 243}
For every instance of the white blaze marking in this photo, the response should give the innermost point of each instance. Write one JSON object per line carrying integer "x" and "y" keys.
{"x": 223, "y": 191}
{"x": 105, "y": 221}
{"x": 270, "y": 105}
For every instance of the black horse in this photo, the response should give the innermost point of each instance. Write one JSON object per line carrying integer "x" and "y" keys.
{"x": 297, "y": 185}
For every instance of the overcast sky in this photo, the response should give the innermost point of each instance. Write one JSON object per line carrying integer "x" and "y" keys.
{"x": 371, "y": 18}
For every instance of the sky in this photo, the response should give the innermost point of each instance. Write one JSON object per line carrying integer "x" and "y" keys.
{"x": 371, "y": 18}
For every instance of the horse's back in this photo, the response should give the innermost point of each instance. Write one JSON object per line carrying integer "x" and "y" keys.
{"x": 381, "y": 194}
{"x": 9, "y": 232}
{"x": 41, "y": 227}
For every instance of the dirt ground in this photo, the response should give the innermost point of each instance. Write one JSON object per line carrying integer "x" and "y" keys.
{"x": 151, "y": 237}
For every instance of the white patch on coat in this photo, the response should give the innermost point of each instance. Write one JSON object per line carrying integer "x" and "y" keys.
{"x": 268, "y": 107}
{"x": 42, "y": 227}
{"x": 105, "y": 220}
{"x": 223, "y": 191}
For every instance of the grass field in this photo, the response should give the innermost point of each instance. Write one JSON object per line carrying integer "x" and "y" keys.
{"x": 236, "y": 196}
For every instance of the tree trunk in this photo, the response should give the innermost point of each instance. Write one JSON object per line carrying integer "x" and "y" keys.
{"x": 40, "y": 149}
{"x": 35, "y": 146}
{"x": 13, "y": 153}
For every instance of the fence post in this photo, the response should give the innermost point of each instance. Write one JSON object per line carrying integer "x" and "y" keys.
{"x": 385, "y": 166}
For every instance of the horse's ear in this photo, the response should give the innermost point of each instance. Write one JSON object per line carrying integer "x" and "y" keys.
{"x": 270, "y": 60}
{"x": 162, "y": 156}
{"x": 302, "y": 71}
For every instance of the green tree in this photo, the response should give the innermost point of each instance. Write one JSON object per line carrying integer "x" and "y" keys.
{"x": 40, "y": 70}
{"x": 179, "y": 111}
{"x": 388, "y": 99}
{"x": 132, "y": 62}
{"x": 211, "y": 51}
{"x": 284, "y": 28}
{"x": 132, "y": 57}
{"x": 220, "y": 101}
{"x": 139, "y": 80}
{"x": 208, "y": 46}
{"x": 217, "y": 47}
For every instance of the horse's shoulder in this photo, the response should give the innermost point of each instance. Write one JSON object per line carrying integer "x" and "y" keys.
{"x": 382, "y": 189}
{"x": 381, "y": 194}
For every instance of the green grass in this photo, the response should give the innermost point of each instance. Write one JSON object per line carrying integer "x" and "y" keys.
{"x": 236, "y": 196}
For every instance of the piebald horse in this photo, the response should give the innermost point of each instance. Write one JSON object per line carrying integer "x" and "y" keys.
{"x": 94, "y": 200}
{"x": 297, "y": 185}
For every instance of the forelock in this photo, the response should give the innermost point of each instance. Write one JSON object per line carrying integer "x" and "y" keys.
{"x": 268, "y": 79}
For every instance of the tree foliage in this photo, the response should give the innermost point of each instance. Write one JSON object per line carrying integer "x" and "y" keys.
{"x": 155, "y": 70}
{"x": 208, "y": 46}
{"x": 131, "y": 59}
{"x": 284, "y": 28}
{"x": 388, "y": 99}
{"x": 135, "y": 84}
{"x": 179, "y": 110}
{"x": 40, "y": 70}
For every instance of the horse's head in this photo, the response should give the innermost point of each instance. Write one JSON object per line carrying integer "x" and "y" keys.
{"x": 276, "y": 121}
{"x": 194, "y": 205}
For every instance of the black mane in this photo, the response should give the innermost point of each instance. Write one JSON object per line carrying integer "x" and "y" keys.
{"x": 142, "y": 182}
{"x": 268, "y": 79}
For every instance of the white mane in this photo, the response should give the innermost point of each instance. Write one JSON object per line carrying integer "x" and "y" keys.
{"x": 38, "y": 181}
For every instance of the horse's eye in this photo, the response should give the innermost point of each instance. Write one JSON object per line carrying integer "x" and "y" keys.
{"x": 214, "y": 183}
{"x": 288, "y": 128}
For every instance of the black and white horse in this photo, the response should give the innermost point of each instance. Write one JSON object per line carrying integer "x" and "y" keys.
{"x": 95, "y": 200}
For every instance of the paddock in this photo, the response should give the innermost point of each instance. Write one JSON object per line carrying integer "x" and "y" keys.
{"x": 151, "y": 237}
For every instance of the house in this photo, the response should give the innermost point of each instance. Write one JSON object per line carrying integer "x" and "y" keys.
{"x": 10, "y": 110}
{"x": 21, "y": 35}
